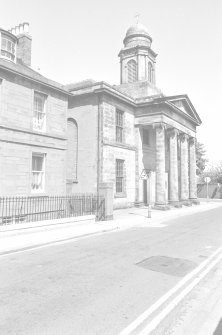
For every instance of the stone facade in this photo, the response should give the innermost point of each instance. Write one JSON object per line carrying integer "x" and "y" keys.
{"x": 129, "y": 136}
{"x": 19, "y": 140}
{"x": 20, "y": 137}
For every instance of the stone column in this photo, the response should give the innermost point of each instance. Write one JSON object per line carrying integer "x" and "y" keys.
{"x": 184, "y": 178}
{"x": 192, "y": 168}
{"x": 173, "y": 133}
{"x": 160, "y": 164}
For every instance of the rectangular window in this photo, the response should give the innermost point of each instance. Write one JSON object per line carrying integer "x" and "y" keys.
{"x": 119, "y": 176}
{"x": 7, "y": 47}
{"x": 38, "y": 172}
{"x": 119, "y": 126}
{"x": 146, "y": 137}
{"x": 39, "y": 116}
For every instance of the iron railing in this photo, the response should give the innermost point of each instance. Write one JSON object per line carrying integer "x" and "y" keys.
{"x": 30, "y": 209}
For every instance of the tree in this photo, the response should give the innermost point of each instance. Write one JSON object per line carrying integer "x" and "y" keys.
{"x": 200, "y": 158}
{"x": 215, "y": 173}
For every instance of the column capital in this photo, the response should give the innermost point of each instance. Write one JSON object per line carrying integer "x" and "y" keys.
{"x": 172, "y": 132}
{"x": 159, "y": 125}
{"x": 183, "y": 137}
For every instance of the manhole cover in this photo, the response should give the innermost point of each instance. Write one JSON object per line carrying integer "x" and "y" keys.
{"x": 172, "y": 266}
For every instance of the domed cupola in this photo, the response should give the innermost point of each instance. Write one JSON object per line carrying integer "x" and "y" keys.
{"x": 137, "y": 34}
{"x": 137, "y": 59}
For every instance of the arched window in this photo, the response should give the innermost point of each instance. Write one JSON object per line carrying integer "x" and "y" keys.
{"x": 132, "y": 71}
{"x": 72, "y": 150}
{"x": 150, "y": 72}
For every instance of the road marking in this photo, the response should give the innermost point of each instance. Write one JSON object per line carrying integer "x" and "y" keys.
{"x": 54, "y": 243}
{"x": 156, "y": 321}
{"x": 136, "y": 323}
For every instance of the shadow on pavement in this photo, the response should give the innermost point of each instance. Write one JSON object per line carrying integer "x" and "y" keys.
{"x": 218, "y": 330}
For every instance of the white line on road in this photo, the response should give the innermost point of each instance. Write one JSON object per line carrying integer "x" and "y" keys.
{"x": 156, "y": 321}
{"x": 136, "y": 323}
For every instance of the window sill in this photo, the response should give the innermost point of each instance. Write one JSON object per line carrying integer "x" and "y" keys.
{"x": 120, "y": 195}
{"x": 42, "y": 131}
{"x": 71, "y": 181}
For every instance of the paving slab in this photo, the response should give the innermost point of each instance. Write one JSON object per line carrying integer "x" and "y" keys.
{"x": 16, "y": 239}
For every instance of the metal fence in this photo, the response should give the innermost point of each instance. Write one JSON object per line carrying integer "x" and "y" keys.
{"x": 29, "y": 209}
{"x": 213, "y": 191}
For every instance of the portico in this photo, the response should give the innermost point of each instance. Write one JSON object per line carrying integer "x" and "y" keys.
{"x": 172, "y": 148}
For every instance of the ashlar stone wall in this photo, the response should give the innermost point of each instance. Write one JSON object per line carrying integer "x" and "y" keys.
{"x": 112, "y": 150}
{"x": 18, "y": 139}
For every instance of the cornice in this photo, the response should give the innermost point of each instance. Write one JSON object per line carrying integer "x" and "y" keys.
{"x": 119, "y": 145}
{"x": 136, "y": 48}
{"x": 162, "y": 113}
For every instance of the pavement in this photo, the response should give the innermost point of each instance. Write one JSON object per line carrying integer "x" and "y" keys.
{"x": 15, "y": 238}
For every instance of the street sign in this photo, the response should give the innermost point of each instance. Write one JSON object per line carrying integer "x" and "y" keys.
{"x": 145, "y": 174}
{"x": 207, "y": 179}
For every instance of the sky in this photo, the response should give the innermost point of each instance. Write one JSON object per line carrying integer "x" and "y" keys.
{"x": 76, "y": 40}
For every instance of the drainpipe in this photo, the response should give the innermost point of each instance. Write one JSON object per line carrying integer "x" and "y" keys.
{"x": 98, "y": 144}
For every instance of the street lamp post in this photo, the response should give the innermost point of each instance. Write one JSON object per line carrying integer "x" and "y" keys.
{"x": 207, "y": 180}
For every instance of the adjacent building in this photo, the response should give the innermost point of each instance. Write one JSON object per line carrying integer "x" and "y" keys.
{"x": 33, "y": 122}
{"x": 57, "y": 139}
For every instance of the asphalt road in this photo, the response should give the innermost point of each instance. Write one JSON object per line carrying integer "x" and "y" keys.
{"x": 101, "y": 284}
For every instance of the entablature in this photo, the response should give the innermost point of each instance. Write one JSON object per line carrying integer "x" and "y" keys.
{"x": 168, "y": 123}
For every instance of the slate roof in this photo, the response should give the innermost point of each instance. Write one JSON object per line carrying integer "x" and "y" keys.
{"x": 30, "y": 73}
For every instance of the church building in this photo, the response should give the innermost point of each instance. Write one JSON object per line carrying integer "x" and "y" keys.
{"x": 76, "y": 138}
{"x": 132, "y": 135}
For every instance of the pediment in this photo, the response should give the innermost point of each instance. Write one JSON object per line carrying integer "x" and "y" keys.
{"x": 183, "y": 104}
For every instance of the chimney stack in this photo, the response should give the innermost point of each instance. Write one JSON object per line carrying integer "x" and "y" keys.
{"x": 24, "y": 45}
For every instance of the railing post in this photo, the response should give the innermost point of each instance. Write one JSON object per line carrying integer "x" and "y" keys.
{"x": 106, "y": 191}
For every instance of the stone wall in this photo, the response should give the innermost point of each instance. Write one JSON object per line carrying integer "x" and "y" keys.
{"x": 125, "y": 151}
{"x": 84, "y": 111}
{"x": 16, "y": 167}
{"x": 18, "y": 140}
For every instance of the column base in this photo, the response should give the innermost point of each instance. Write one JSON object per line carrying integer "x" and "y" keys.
{"x": 186, "y": 202}
{"x": 176, "y": 204}
{"x": 161, "y": 207}
{"x": 108, "y": 217}
{"x": 195, "y": 201}
{"x": 138, "y": 203}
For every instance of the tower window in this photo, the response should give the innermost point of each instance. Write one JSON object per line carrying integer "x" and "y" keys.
{"x": 132, "y": 71}
{"x": 150, "y": 72}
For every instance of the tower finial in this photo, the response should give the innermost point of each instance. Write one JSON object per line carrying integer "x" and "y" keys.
{"x": 137, "y": 17}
